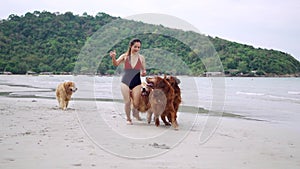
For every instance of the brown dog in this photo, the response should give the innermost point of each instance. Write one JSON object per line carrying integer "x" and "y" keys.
{"x": 161, "y": 84}
{"x": 174, "y": 82}
{"x": 158, "y": 101}
{"x": 144, "y": 104}
{"x": 64, "y": 92}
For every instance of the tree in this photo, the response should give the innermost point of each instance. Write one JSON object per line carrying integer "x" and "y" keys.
{"x": 242, "y": 67}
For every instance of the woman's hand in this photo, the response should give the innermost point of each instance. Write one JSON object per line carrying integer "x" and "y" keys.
{"x": 113, "y": 54}
{"x": 115, "y": 61}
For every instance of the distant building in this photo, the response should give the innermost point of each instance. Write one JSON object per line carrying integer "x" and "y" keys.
{"x": 216, "y": 74}
{"x": 46, "y": 73}
{"x": 31, "y": 73}
{"x": 7, "y": 73}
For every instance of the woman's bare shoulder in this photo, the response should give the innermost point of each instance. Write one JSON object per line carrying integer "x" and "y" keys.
{"x": 142, "y": 56}
{"x": 122, "y": 56}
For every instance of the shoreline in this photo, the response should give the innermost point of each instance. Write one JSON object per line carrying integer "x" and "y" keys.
{"x": 182, "y": 108}
{"x": 297, "y": 75}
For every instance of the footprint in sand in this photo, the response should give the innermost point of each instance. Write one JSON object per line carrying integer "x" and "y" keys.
{"x": 162, "y": 146}
{"x": 9, "y": 159}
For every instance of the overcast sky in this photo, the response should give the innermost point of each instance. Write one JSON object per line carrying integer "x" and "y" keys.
{"x": 271, "y": 24}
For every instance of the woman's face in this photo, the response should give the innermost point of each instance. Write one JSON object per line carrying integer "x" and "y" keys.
{"x": 136, "y": 47}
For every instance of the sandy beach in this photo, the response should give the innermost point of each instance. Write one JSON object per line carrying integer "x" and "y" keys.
{"x": 34, "y": 133}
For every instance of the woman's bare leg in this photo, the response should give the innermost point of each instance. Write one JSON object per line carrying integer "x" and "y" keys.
{"x": 126, "y": 97}
{"x": 136, "y": 94}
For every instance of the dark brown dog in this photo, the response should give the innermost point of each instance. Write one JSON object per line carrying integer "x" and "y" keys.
{"x": 174, "y": 82}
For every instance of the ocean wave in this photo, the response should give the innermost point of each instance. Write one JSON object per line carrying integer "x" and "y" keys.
{"x": 284, "y": 98}
{"x": 250, "y": 93}
{"x": 294, "y": 93}
{"x": 293, "y": 97}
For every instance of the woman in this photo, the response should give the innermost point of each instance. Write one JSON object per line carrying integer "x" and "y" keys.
{"x": 134, "y": 68}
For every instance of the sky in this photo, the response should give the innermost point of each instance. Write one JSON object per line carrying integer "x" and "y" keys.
{"x": 268, "y": 24}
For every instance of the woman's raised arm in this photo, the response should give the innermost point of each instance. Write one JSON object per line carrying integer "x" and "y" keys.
{"x": 116, "y": 62}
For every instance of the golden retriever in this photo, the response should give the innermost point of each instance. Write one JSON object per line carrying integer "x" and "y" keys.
{"x": 158, "y": 101}
{"x": 64, "y": 92}
{"x": 174, "y": 82}
{"x": 165, "y": 91}
{"x": 144, "y": 104}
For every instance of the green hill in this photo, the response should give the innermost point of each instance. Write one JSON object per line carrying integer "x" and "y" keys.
{"x": 52, "y": 42}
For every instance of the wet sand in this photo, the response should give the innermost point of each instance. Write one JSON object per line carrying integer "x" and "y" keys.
{"x": 34, "y": 133}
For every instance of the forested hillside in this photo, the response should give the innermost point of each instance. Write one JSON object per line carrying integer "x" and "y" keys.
{"x": 51, "y": 42}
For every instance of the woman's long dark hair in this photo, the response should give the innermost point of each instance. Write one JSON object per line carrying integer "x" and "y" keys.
{"x": 131, "y": 43}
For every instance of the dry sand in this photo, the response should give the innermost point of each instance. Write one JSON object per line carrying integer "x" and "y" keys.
{"x": 35, "y": 134}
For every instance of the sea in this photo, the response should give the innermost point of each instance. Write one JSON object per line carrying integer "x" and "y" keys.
{"x": 275, "y": 100}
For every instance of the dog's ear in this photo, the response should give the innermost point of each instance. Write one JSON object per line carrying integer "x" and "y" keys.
{"x": 161, "y": 83}
{"x": 177, "y": 80}
{"x": 66, "y": 85}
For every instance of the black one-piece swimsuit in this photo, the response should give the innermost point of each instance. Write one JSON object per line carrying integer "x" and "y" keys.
{"x": 132, "y": 77}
